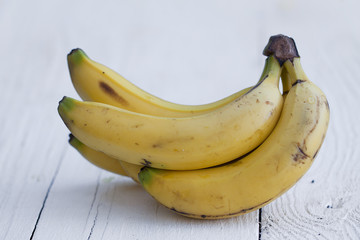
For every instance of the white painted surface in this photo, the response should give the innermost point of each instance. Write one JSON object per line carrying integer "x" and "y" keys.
{"x": 185, "y": 51}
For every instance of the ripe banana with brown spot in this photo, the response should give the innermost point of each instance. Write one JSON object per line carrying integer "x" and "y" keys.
{"x": 180, "y": 143}
{"x": 96, "y": 82}
{"x": 100, "y": 159}
{"x": 250, "y": 182}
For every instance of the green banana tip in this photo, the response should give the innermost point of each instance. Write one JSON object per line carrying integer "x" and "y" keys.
{"x": 75, "y": 142}
{"x": 65, "y": 104}
{"x": 145, "y": 175}
{"x": 282, "y": 47}
{"x": 76, "y": 56}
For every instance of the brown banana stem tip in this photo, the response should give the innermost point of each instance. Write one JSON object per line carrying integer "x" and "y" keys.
{"x": 282, "y": 47}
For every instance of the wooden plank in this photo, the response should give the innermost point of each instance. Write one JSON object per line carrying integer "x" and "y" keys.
{"x": 87, "y": 203}
{"x": 27, "y": 171}
{"x": 30, "y": 148}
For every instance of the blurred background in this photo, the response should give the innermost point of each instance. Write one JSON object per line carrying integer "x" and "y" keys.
{"x": 184, "y": 51}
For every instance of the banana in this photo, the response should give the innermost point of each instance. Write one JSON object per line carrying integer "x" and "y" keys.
{"x": 97, "y": 158}
{"x": 286, "y": 82}
{"x": 104, "y": 161}
{"x": 183, "y": 143}
{"x": 96, "y": 82}
{"x": 132, "y": 170}
{"x": 124, "y": 168}
{"x": 248, "y": 183}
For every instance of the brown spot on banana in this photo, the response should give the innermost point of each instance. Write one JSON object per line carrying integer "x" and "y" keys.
{"x": 315, "y": 124}
{"x": 327, "y": 105}
{"x": 145, "y": 162}
{"x": 298, "y": 81}
{"x": 156, "y": 145}
{"x": 316, "y": 153}
{"x": 300, "y": 156}
{"x": 112, "y": 93}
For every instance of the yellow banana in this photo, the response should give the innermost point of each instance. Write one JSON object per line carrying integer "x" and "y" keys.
{"x": 183, "y": 143}
{"x": 97, "y": 158}
{"x": 124, "y": 168}
{"x": 86, "y": 74}
{"x": 104, "y": 161}
{"x": 96, "y": 82}
{"x": 286, "y": 82}
{"x": 255, "y": 180}
{"x": 132, "y": 170}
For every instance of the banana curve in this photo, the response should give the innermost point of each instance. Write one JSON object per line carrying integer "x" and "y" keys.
{"x": 180, "y": 143}
{"x": 106, "y": 162}
{"x": 96, "y": 82}
{"x": 97, "y": 158}
{"x": 257, "y": 179}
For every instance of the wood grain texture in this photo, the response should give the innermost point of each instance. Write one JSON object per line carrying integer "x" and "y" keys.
{"x": 189, "y": 52}
{"x": 105, "y": 206}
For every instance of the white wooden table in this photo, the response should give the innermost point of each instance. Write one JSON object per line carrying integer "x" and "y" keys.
{"x": 188, "y": 52}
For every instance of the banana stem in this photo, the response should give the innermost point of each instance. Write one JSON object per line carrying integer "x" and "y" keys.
{"x": 286, "y": 81}
{"x": 272, "y": 69}
{"x": 283, "y": 48}
{"x": 295, "y": 70}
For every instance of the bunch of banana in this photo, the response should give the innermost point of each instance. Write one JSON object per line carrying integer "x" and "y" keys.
{"x": 210, "y": 161}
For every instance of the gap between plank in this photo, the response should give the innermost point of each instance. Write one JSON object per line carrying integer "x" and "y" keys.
{"x": 47, "y": 193}
{"x": 92, "y": 205}
{"x": 94, "y": 223}
{"x": 259, "y": 219}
